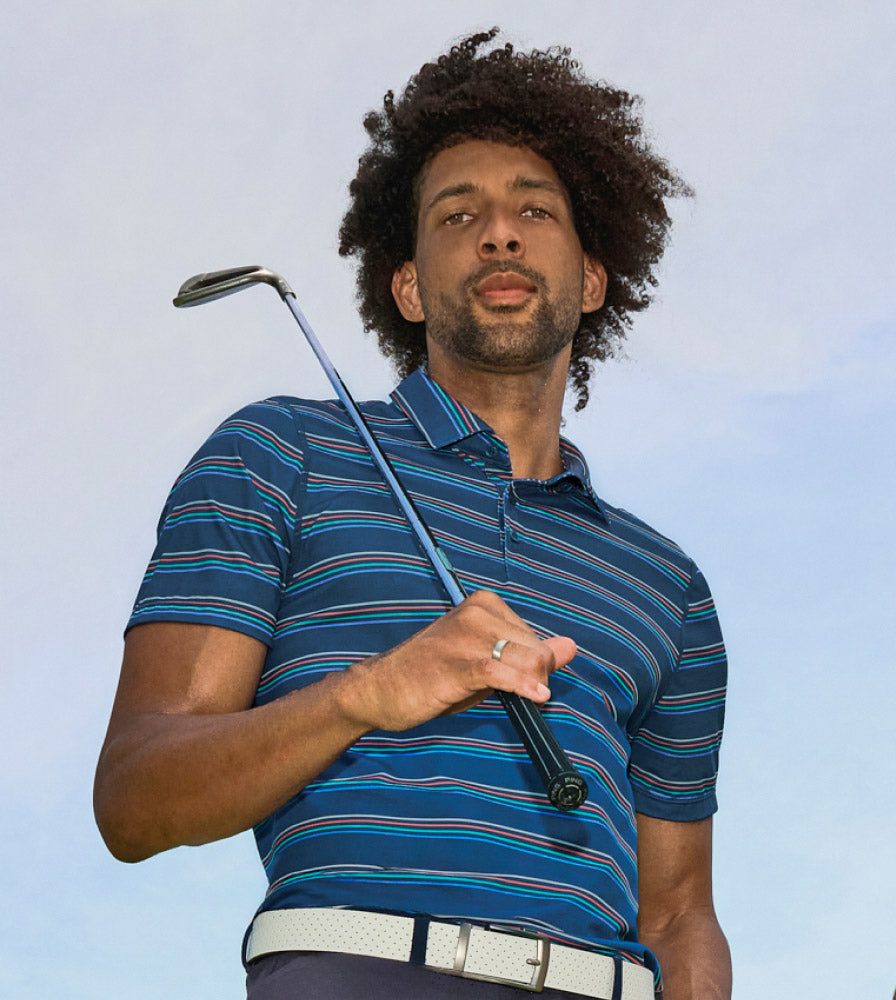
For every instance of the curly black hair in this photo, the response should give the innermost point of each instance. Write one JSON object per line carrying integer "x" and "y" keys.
{"x": 590, "y": 132}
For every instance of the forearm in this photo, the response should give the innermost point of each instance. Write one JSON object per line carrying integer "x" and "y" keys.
{"x": 186, "y": 760}
{"x": 172, "y": 779}
{"x": 693, "y": 955}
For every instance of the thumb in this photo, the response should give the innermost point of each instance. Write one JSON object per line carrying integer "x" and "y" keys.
{"x": 563, "y": 648}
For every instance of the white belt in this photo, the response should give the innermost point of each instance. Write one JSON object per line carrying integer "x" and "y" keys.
{"x": 529, "y": 962}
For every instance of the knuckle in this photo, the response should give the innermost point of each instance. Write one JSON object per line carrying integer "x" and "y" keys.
{"x": 545, "y": 657}
{"x": 542, "y": 662}
{"x": 490, "y": 667}
{"x": 473, "y": 617}
{"x": 488, "y": 600}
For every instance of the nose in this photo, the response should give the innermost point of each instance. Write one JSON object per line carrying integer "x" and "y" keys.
{"x": 500, "y": 235}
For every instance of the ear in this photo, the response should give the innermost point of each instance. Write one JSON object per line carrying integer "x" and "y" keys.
{"x": 595, "y": 286}
{"x": 406, "y": 292}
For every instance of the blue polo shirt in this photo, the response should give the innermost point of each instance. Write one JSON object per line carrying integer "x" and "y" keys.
{"x": 281, "y": 528}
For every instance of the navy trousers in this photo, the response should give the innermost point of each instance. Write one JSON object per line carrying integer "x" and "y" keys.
{"x": 315, "y": 975}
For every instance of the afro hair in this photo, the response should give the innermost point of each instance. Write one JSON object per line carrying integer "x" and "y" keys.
{"x": 590, "y": 132}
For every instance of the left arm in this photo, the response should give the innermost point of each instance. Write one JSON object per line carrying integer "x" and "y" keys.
{"x": 676, "y": 918}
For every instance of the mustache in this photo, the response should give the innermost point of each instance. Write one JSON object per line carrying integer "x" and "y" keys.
{"x": 502, "y": 267}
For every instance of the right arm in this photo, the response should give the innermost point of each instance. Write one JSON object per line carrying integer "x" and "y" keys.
{"x": 188, "y": 760}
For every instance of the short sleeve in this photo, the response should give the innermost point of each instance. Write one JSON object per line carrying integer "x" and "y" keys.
{"x": 675, "y": 752}
{"x": 227, "y": 531}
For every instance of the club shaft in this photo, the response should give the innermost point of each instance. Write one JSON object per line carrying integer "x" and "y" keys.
{"x": 566, "y": 788}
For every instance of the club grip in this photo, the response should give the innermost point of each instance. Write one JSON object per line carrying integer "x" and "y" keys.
{"x": 566, "y": 788}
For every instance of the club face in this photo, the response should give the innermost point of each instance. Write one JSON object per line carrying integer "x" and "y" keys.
{"x": 216, "y": 284}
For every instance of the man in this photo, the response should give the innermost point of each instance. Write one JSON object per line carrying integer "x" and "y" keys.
{"x": 292, "y": 664}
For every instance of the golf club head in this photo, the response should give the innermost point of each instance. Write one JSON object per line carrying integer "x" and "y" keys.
{"x": 216, "y": 284}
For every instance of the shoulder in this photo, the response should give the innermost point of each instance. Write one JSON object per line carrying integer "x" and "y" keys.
{"x": 278, "y": 424}
{"x": 291, "y": 415}
{"x": 627, "y": 523}
{"x": 620, "y": 526}
{"x": 283, "y": 430}
{"x": 657, "y": 559}
{"x": 669, "y": 560}
{"x": 651, "y": 544}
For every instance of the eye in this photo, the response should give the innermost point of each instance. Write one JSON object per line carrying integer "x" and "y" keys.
{"x": 536, "y": 212}
{"x": 455, "y": 218}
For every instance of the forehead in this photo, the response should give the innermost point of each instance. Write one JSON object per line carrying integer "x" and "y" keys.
{"x": 482, "y": 163}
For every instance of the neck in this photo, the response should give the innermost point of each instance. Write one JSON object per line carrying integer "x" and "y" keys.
{"x": 522, "y": 407}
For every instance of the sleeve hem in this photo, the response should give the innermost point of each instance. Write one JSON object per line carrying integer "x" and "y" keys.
{"x": 201, "y": 619}
{"x": 681, "y": 812}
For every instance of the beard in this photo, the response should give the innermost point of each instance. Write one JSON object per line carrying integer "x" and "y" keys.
{"x": 508, "y": 340}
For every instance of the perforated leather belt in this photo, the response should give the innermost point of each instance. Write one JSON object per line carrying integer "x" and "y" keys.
{"x": 527, "y": 961}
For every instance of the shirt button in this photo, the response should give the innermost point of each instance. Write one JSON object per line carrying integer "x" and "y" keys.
{"x": 491, "y": 450}
{"x": 514, "y": 535}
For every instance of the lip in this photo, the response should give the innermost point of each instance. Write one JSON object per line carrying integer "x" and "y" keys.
{"x": 504, "y": 288}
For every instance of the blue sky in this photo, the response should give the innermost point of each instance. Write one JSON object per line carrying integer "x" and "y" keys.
{"x": 752, "y": 420}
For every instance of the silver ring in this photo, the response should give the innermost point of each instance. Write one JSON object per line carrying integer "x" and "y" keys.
{"x": 499, "y": 648}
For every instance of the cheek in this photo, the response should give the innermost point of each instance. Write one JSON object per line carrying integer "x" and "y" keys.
{"x": 433, "y": 270}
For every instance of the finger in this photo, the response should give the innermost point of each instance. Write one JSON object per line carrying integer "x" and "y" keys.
{"x": 521, "y": 668}
{"x": 528, "y": 666}
{"x": 554, "y": 652}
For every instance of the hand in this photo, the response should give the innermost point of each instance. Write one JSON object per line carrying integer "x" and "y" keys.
{"x": 448, "y": 666}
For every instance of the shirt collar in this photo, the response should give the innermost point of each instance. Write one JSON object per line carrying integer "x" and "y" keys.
{"x": 443, "y": 421}
{"x": 440, "y": 419}
{"x": 575, "y": 467}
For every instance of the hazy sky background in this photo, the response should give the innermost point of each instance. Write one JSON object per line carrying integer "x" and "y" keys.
{"x": 752, "y": 421}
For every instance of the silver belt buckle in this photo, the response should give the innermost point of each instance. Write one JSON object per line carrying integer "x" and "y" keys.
{"x": 539, "y": 963}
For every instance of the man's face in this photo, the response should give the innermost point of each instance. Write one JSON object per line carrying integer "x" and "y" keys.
{"x": 498, "y": 275}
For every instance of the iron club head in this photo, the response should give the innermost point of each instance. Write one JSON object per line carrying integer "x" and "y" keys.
{"x": 216, "y": 284}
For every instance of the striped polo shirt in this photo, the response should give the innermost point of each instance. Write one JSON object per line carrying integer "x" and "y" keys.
{"x": 281, "y": 528}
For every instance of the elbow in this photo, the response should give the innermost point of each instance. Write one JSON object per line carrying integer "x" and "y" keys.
{"x": 121, "y": 847}
{"x": 126, "y": 835}
{"x": 117, "y": 836}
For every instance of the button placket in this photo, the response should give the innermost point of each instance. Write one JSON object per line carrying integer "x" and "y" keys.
{"x": 511, "y": 532}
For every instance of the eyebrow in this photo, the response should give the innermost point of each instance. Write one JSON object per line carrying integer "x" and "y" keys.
{"x": 467, "y": 187}
{"x": 519, "y": 183}
{"x": 535, "y": 184}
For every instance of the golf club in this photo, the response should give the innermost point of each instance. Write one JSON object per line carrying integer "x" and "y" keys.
{"x": 565, "y": 786}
